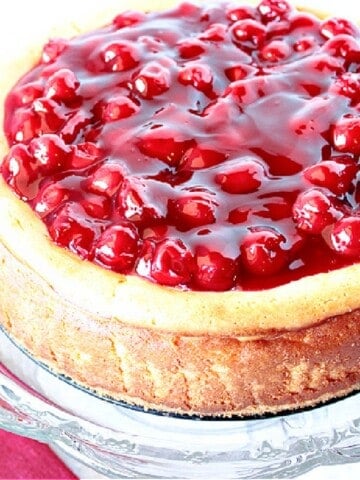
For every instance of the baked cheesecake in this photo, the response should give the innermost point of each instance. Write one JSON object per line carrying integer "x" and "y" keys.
{"x": 179, "y": 208}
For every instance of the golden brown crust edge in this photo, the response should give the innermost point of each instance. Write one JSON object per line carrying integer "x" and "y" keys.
{"x": 185, "y": 374}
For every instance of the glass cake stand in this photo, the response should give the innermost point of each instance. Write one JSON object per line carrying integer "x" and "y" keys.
{"x": 120, "y": 442}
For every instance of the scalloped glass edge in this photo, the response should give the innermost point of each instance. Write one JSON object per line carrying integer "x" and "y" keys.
{"x": 141, "y": 444}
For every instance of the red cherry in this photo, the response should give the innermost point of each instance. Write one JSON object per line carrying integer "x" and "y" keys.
{"x": 348, "y": 84}
{"x": 344, "y": 46}
{"x": 118, "y": 247}
{"x": 244, "y": 177}
{"x": 136, "y": 204}
{"x": 272, "y": 10}
{"x": 50, "y": 152}
{"x": 262, "y": 251}
{"x": 346, "y": 134}
{"x": 52, "y": 49}
{"x": 191, "y": 210}
{"x": 84, "y": 154}
{"x": 97, "y": 206}
{"x": 71, "y": 229}
{"x": 233, "y": 14}
{"x": 62, "y": 85}
{"x": 238, "y": 215}
{"x": 127, "y": 19}
{"x": 191, "y": 48}
{"x": 313, "y": 211}
{"x": 172, "y": 263}
{"x": 49, "y": 198}
{"x": 302, "y": 21}
{"x": 238, "y": 72}
{"x": 25, "y": 124}
{"x": 345, "y": 237}
{"x": 337, "y": 26}
{"x": 26, "y": 94}
{"x": 275, "y": 51}
{"x": 74, "y": 127}
{"x": 198, "y": 75}
{"x": 19, "y": 171}
{"x": 249, "y": 32}
{"x": 49, "y": 113}
{"x": 214, "y": 271}
{"x": 198, "y": 158}
{"x": 153, "y": 80}
{"x": 304, "y": 44}
{"x": 214, "y": 33}
{"x": 119, "y": 57}
{"x": 105, "y": 180}
{"x": 165, "y": 144}
{"x": 337, "y": 175}
{"x": 118, "y": 107}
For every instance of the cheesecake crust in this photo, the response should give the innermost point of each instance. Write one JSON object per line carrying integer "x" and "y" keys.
{"x": 187, "y": 374}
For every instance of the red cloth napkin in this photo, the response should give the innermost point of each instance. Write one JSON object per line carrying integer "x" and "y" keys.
{"x": 28, "y": 459}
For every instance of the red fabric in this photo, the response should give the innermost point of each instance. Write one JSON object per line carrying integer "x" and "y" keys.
{"x": 28, "y": 459}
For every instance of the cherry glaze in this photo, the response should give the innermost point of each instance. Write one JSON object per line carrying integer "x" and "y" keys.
{"x": 209, "y": 147}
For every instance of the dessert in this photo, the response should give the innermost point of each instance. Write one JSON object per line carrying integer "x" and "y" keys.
{"x": 179, "y": 209}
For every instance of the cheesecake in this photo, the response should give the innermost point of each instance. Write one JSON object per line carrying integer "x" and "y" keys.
{"x": 179, "y": 207}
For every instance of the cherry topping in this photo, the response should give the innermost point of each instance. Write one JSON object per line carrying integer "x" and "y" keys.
{"x": 164, "y": 145}
{"x": 191, "y": 48}
{"x": 191, "y": 210}
{"x": 62, "y": 85}
{"x": 213, "y": 270}
{"x": 50, "y": 152}
{"x": 118, "y": 247}
{"x": 275, "y": 51}
{"x": 152, "y": 80}
{"x": 26, "y": 94}
{"x": 240, "y": 13}
{"x": 71, "y": 229}
{"x": 215, "y": 33}
{"x": 348, "y": 84}
{"x": 337, "y": 26}
{"x": 198, "y": 75}
{"x": 337, "y": 175}
{"x": 134, "y": 203}
{"x": 203, "y": 147}
{"x": 198, "y": 158}
{"x": 262, "y": 251}
{"x": 346, "y": 134}
{"x": 118, "y": 57}
{"x": 50, "y": 197}
{"x": 117, "y": 107}
{"x": 97, "y": 206}
{"x": 128, "y": 18}
{"x": 345, "y": 237}
{"x": 105, "y": 180}
{"x": 19, "y": 172}
{"x": 313, "y": 210}
{"x": 248, "y": 32}
{"x": 244, "y": 177}
{"x": 271, "y": 10}
{"x": 84, "y": 154}
{"x": 172, "y": 263}
{"x": 52, "y": 49}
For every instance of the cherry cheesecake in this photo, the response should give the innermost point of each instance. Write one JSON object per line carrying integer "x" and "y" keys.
{"x": 179, "y": 208}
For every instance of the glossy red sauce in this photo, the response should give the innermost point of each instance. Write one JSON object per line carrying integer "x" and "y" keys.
{"x": 210, "y": 148}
